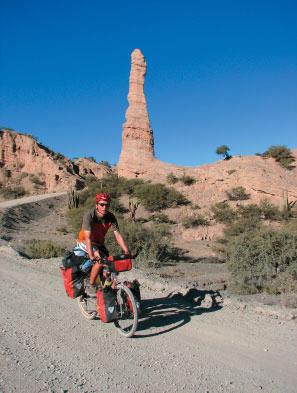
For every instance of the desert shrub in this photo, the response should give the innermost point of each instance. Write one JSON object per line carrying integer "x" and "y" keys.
{"x": 263, "y": 260}
{"x": 231, "y": 171}
{"x": 171, "y": 178}
{"x": 187, "y": 180}
{"x": 75, "y": 217}
{"x": 239, "y": 226}
{"x": 161, "y": 218}
{"x": 43, "y": 249}
{"x": 250, "y": 212}
{"x": 194, "y": 221}
{"x": 62, "y": 229}
{"x": 269, "y": 210}
{"x": 35, "y": 180}
{"x": 12, "y": 192}
{"x": 195, "y": 207}
{"x": 291, "y": 226}
{"x": 281, "y": 154}
{"x": 105, "y": 163}
{"x": 223, "y": 213}
{"x": 154, "y": 243}
{"x": 155, "y": 197}
{"x": 58, "y": 156}
{"x": 7, "y": 172}
{"x": 91, "y": 158}
{"x": 237, "y": 194}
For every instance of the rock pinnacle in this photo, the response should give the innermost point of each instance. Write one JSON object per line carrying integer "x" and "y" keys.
{"x": 137, "y": 137}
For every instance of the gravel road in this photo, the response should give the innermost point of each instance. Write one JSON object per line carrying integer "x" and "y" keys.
{"x": 47, "y": 346}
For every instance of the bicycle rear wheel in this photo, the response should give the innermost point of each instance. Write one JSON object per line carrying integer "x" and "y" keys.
{"x": 127, "y": 320}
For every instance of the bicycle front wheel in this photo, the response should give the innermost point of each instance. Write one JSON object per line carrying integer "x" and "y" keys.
{"x": 127, "y": 320}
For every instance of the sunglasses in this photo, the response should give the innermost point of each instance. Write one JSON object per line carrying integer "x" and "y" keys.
{"x": 103, "y": 204}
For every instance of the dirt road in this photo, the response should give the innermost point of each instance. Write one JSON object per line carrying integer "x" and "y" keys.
{"x": 47, "y": 346}
{"x": 30, "y": 199}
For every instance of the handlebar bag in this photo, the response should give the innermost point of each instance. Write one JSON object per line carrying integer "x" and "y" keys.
{"x": 121, "y": 263}
{"x": 134, "y": 286}
{"x": 73, "y": 281}
{"x": 106, "y": 304}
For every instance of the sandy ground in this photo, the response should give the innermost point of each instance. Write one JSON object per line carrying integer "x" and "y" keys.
{"x": 181, "y": 345}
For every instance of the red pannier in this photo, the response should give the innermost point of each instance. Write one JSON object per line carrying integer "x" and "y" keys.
{"x": 106, "y": 304}
{"x": 73, "y": 281}
{"x": 72, "y": 275}
{"x": 121, "y": 263}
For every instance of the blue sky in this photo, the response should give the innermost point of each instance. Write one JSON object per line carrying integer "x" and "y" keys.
{"x": 219, "y": 72}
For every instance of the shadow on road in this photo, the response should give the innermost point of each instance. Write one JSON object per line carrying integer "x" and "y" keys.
{"x": 175, "y": 310}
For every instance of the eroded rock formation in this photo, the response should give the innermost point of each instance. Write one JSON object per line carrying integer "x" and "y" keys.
{"x": 137, "y": 139}
{"x": 27, "y": 163}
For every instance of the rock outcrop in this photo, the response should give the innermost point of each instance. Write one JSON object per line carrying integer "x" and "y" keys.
{"x": 27, "y": 163}
{"x": 88, "y": 167}
{"x": 137, "y": 139}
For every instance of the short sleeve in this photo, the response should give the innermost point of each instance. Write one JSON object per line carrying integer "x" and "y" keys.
{"x": 114, "y": 223}
{"x": 87, "y": 220}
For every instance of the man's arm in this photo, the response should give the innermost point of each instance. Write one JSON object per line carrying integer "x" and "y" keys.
{"x": 89, "y": 244}
{"x": 121, "y": 242}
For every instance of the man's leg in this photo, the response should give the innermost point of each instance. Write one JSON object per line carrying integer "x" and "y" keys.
{"x": 96, "y": 268}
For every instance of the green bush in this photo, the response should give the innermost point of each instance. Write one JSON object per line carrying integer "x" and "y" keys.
{"x": 155, "y": 197}
{"x": 35, "y": 180}
{"x": 269, "y": 210}
{"x": 263, "y": 260}
{"x": 105, "y": 163}
{"x": 250, "y": 212}
{"x": 281, "y": 154}
{"x": 237, "y": 194}
{"x": 12, "y": 192}
{"x": 161, "y": 218}
{"x": 187, "y": 180}
{"x": 171, "y": 178}
{"x": 223, "y": 213}
{"x": 194, "y": 221}
{"x": 43, "y": 249}
{"x": 231, "y": 171}
{"x": 153, "y": 242}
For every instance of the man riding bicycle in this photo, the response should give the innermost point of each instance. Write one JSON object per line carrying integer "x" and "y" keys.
{"x": 90, "y": 242}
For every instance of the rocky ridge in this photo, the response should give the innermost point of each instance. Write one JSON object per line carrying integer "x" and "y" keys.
{"x": 26, "y": 162}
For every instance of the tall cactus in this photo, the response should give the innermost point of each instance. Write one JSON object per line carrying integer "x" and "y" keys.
{"x": 73, "y": 199}
{"x": 288, "y": 205}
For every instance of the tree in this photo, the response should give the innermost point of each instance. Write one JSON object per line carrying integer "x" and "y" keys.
{"x": 281, "y": 154}
{"x": 223, "y": 151}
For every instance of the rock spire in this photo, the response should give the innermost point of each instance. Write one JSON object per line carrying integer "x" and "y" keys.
{"x": 137, "y": 137}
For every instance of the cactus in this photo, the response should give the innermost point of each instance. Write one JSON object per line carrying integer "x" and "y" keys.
{"x": 133, "y": 206}
{"x": 288, "y": 206}
{"x": 73, "y": 199}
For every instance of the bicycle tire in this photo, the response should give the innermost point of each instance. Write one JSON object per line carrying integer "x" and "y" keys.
{"x": 127, "y": 321}
{"x": 87, "y": 305}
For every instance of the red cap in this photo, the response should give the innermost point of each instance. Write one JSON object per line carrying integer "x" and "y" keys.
{"x": 103, "y": 197}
